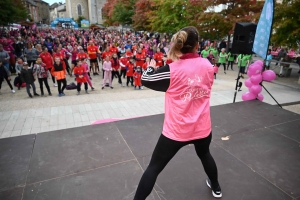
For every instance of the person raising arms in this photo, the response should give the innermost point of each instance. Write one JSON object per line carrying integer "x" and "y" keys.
{"x": 187, "y": 82}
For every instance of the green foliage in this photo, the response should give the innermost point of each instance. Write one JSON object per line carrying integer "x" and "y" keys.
{"x": 78, "y": 20}
{"x": 287, "y": 23}
{"x": 217, "y": 25}
{"x": 123, "y": 12}
{"x": 12, "y": 11}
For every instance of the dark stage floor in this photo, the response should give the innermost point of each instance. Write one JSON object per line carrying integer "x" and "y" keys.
{"x": 259, "y": 161}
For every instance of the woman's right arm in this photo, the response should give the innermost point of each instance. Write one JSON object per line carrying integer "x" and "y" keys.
{"x": 157, "y": 79}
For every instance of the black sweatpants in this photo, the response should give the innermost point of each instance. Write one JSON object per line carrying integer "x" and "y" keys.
{"x": 61, "y": 89}
{"x": 79, "y": 86}
{"x": 123, "y": 73}
{"x": 7, "y": 81}
{"x": 118, "y": 75}
{"x": 53, "y": 78}
{"x": 164, "y": 151}
{"x": 41, "y": 80}
{"x": 224, "y": 65}
{"x": 129, "y": 79}
{"x": 67, "y": 65}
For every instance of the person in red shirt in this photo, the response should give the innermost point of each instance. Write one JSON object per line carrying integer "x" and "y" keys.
{"x": 123, "y": 62}
{"x": 158, "y": 57}
{"x": 140, "y": 58}
{"x": 129, "y": 71}
{"x": 146, "y": 64}
{"x": 81, "y": 55}
{"x": 114, "y": 49}
{"x": 48, "y": 60}
{"x": 92, "y": 51}
{"x": 137, "y": 75}
{"x": 115, "y": 63}
{"x": 80, "y": 72}
{"x": 129, "y": 54}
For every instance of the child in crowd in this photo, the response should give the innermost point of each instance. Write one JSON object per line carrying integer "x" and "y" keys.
{"x": 87, "y": 74}
{"x": 28, "y": 78}
{"x": 123, "y": 62}
{"x": 40, "y": 69}
{"x": 19, "y": 67}
{"x": 129, "y": 71}
{"x": 107, "y": 68}
{"x": 137, "y": 75}
{"x": 80, "y": 72}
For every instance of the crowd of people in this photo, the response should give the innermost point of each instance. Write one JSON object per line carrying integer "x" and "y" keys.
{"x": 85, "y": 54}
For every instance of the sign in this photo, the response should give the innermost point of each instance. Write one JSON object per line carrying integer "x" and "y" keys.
{"x": 85, "y": 23}
{"x": 264, "y": 29}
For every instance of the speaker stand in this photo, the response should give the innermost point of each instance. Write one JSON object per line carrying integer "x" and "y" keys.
{"x": 238, "y": 85}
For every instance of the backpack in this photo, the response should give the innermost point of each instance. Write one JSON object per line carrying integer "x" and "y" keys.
{"x": 71, "y": 86}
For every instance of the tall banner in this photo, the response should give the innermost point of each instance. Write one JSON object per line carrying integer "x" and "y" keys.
{"x": 264, "y": 30}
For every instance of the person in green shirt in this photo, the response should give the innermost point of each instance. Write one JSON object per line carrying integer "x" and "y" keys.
{"x": 243, "y": 60}
{"x": 230, "y": 60}
{"x": 222, "y": 59}
{"x": 205, "y": 52}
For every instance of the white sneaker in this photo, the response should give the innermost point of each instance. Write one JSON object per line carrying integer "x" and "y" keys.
{"x": 13, "y": 91}
{"x": 123, "y": 85}
{"x": 55, "y": 85}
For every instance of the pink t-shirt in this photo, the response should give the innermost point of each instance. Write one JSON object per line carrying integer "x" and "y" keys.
{"x": 187, "y": 100}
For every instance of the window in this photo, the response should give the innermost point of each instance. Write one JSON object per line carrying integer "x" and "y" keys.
{"x": 79, "y": 10}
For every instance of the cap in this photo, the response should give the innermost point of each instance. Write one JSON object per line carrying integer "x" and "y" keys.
{"x": 25, "y": 64}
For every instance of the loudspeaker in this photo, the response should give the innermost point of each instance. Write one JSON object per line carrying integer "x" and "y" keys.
{"x": 243, "y": 38}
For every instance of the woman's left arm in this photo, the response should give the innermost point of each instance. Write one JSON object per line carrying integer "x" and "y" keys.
{"x": 157, "y": 79}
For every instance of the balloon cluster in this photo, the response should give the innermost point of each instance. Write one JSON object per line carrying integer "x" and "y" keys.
{"x": 256, "y": 76}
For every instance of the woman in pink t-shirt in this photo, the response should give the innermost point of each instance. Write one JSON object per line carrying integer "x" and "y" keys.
{"x": 187, "y": 82}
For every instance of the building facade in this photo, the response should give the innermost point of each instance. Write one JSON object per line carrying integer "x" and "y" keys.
{"x": 61, "y": 11}
{"x": 89, "y": 9}
{"x": 43, "y": 11}
{"x": 53, "y": 11}
{"x": 32, "y": 9}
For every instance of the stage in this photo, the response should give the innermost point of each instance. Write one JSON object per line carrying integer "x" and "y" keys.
{"x": 255, "y": 145}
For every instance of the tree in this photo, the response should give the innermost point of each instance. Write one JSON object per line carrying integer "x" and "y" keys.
{"x": 172, "y": 15}
{"x": 107, "y": 12}
{"x": 217, "y": 25}
{"x": 123, "y": 12}
{"x": 142, "y": 13}
{"x": 287, "y": 23}
{"x": 12, "y": 11}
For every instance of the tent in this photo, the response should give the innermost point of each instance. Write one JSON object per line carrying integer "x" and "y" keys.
{"x": 94, "y": 27}
{"x": 64, "y": 23}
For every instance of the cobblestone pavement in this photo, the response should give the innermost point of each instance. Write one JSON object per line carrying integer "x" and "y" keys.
{"x": 20, "y": 115}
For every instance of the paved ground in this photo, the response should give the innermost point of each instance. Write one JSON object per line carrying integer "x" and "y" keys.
{"x": 20, "y": 115}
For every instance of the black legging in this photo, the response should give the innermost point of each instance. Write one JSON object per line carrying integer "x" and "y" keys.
{"x": 53, "y": 78}
{"x": 118, "y": 75}
{"x": 41, "y": 80}
{"x": 230, "y": 63}
{"x": 7, "y": 81}
{"x": 31, "y": 62}
{"x": 129, "y": 79}
{"x": 79, "y": 86}
{"x": 224, "y": 65}
{"x": 61, "y": 89}
{"x": 164, "y": 151}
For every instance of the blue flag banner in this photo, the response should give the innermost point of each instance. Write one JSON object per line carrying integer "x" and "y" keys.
{"x": 263, "y": 30}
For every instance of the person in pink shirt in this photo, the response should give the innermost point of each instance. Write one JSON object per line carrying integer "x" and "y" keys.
{"x": 187, "y": 83}
{"x": 87, "y": 77}
{"x": 107, "y": 67}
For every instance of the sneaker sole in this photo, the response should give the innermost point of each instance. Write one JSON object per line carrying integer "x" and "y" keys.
{"x": 214, "y": 194}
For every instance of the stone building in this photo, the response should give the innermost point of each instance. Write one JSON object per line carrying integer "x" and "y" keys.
{"x": 43, "y": 11}
{"x": 53, "y": 11}
{"x": 61, "y": 11}
{"x": 89, "y": 9}
{"x": 32, "y": 9}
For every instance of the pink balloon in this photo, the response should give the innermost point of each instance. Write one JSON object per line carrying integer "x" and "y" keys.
{"x": 248, "y": 83}
{"x": 250, "y": 73}
{"x": 268, "y": 75}
{"x": 256, "y": 79}
{"x": 260, "y": 97}
{"x": 255, "y": 68}
{"x": 248, "y": 96}
{"x": 260, "y": 62}
{"x": 256, "y": 89}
